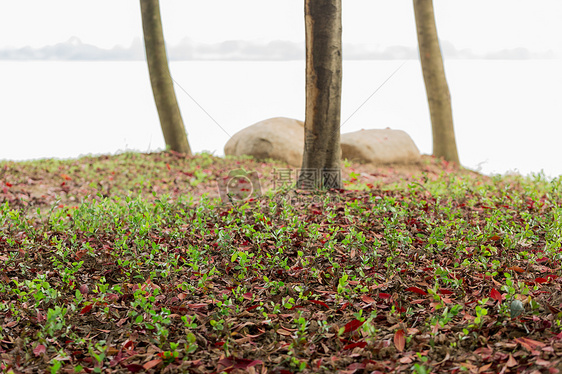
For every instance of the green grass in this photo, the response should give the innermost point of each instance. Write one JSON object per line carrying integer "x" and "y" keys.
{"x": 293, "y": 282}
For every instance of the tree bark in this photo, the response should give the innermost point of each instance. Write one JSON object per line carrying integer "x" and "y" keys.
{"x": 322, "y": 152}
{"x": 438, "y": 96}
{"x": 161, "y": 80}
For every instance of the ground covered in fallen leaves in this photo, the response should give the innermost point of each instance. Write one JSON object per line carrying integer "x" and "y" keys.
{"x": 131, "y": 263}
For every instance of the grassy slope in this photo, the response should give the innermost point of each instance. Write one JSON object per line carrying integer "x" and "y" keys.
{"x": 126, "y": 267}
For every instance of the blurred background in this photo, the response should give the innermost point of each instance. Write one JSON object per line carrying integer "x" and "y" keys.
{"x": 73, "y": 79}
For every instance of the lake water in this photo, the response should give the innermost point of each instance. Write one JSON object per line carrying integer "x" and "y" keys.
{"x": 508, "y": 114}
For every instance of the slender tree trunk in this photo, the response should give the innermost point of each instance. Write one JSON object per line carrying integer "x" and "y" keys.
{"x": 438, "y": 96}
{"x": 322, "y": 152}
{"x": 161, "y": 80}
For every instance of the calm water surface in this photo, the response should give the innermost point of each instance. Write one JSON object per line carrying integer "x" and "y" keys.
{"x": 508, "y": 114}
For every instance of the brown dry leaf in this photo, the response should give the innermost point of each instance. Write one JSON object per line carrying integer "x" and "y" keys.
{"x": 412, "y": 330}
{"x": 150, "y": 364}
{"x": 11, "y": 324}
{"x": 511, "y": 362}
{"x": 517, "y": 269}
{"x": 406, "y": 360}
{"x": 470, "y": 367}
{"x": 484, "y": 368}
{"x": 542, "y": 362}
{"x": 399, "y": 340}
{"x": 111, "y": 351}
{"x": 284, "y": 332}
{"x": 367, "y": 299}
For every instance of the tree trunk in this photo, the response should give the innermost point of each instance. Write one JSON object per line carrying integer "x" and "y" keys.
{"x": 322, "y": 152}
{"x": 161, "y": 80}
{"x": 438, "y": 96}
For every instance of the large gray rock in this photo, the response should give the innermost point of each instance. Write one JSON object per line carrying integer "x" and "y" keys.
{"x": 379, "y": 147}
{"x": 275, "y": 138}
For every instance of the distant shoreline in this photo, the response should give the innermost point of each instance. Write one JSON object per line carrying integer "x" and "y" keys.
{"x": 239, "y": 50}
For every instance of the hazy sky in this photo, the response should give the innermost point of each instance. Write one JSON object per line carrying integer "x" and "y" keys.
{"x": 479, "y": 25}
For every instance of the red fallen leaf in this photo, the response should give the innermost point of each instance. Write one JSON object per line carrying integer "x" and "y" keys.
{"x": 355, "y": 345}
{"x": 544, "y": 259}
{"x": 150, "y": 364}
{"x": 239, "y": 363}
{"x": 399, "y": 340}
{"x": 86, "y": 309}
{"x": 406, "y": 359}
{"x": 529, "y": 342}
{"x": 551, "y": 276}
{"x": 416, "y": 290}
{"x": 353, "y": 325}
{"x": 383, "y": 295}
{"x": 298, "y": 307}
{"x": 494, "y": 238}
{"x": 134, "y": 368}
{"x": 248, "y": 295}
{"x": 284, "y": 332}
{"x": 355, "y": 367}
{"x": 444, "y": 291}
{"x": 541, "y": 362}
{"x": 39, "y": 350}
{"x": 196, "y": 306}
{"x": 117, "y": 359}
{"x": 511, "y": 361}
{"x": 552, "y": 309}
{"x": 320, "y": 303}
{"x": 541, "y": 280}
{"x": 129, "y": 344}
{"x": 252, "y": 307}
{"x": 496, "y": 295}
{"x": 112, "y": 297}
{"x": 84, "y": 289}
{"x": 66, "y": 177}
{"x": 516, "y": 269}
{"x": 168, "y": 166}
{"x": 80, "y": 253}
{"x": 9, "y": 184}
{"x": 343, "y": 307}
{"x": 367, "y": 299}
{"x": 400, "y": 308}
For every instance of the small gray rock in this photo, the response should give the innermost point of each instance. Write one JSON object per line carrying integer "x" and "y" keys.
{"x": 516, "y": 308}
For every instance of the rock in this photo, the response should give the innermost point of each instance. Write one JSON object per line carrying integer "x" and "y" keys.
{"x": 379, "y": 147}
{"x": 516, "y": 308}
{"x": 275, "y": 138}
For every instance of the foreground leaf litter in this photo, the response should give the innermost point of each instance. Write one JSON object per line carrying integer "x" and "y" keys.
{"x": 419, "y": 275}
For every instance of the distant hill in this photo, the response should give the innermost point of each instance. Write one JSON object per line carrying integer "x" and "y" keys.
{"x": 240, "y": 50}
